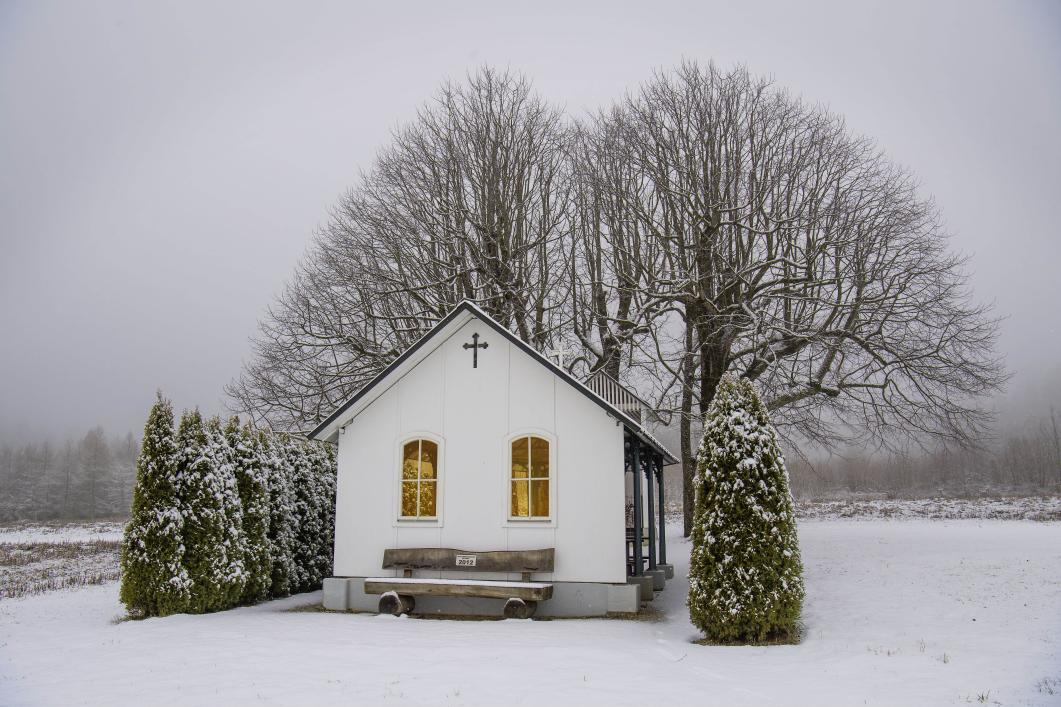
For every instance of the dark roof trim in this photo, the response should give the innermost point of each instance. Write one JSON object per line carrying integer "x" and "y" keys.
{"x": 466, "y": 306}
{"x": 388, "y": 370}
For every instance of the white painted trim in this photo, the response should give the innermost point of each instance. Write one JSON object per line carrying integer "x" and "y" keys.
{"x": 537, "y": 522}
{"x": 396, "y": 484}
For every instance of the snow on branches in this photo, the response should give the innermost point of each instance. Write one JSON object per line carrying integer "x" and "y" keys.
{"x": 154, "y": 579}
{"x": 224, "y": 516}
{"x": 745, "y": 574}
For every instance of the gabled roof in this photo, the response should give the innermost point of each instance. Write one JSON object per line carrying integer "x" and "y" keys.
{"x": 329, "y": 429}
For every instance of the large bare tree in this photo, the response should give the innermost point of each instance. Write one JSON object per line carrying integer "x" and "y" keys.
{"x": 469, "y": 201}
{"x": 708, "y": 222}
{"x": 609, "y": 255}
{"x": 773, "y": 243}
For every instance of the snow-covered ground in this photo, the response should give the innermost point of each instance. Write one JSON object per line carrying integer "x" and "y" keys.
{"x": 32, "y": 568}
{"x": 41, "y": 557}
{"x": 916, "y": 612}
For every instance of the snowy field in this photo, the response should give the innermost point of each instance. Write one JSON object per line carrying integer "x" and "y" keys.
{"x": 42, "y": 557}
{"x": 910, "y": 612}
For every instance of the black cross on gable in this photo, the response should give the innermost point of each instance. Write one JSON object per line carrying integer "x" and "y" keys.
{"x": 475, "y": 346}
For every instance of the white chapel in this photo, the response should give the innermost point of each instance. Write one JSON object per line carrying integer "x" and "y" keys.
{"x": 475, "y": 476}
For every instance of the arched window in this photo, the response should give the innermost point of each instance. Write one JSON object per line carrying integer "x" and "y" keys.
{"x": 419, "y": 479}
{"x": 529, "y": 477}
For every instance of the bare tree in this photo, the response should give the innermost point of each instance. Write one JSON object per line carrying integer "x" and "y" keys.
{"x": 124, "y": 450}
{"x": 789, "y": 251}
{"x": 469, "y": 201}
{"x": 708, "y": 222}
{"x": 96, "y": 473}
{"x": 68, "y": 469}
{"x": 610, "y": 257}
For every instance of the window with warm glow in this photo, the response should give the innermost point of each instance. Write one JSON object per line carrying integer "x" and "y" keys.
{"x": 419, "y": 479}
{"x": 530, "y": 478}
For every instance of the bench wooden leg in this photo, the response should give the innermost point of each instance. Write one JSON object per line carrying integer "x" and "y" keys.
{"x": 519, "y": 609}
{"x": 396, "y": 604}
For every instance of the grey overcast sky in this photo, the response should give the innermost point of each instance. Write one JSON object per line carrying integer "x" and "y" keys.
{"x": 163, "y": 165}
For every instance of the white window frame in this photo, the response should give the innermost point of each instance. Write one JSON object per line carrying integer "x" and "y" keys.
{"x": 521, "y": 521}
{"x": 397, "y": 465}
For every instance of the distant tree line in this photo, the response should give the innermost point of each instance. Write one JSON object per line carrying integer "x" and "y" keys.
{"x": 78, "y": 479}
{"x": 1028, "y": 462}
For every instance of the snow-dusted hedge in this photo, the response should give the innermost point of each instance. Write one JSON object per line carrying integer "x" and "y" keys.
{"x": 154, "y": 579}
{"x": 224, "y": 516}
{"x": 745, "y": 574}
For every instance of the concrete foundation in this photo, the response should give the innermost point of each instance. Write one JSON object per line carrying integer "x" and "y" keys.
{"x": 668, "y": 570}
{"x": 334, "y": 591}
{"x": 659, "y": 579}
{"x": 644, "y": 584}
{"x": 623, "y": 599}
{"x": 569, "y": 599}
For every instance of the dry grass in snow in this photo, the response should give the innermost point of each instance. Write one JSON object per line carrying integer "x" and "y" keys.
{"x": 1037, "y": 508}
{"x": 38, "y": 557}
{"x": 35, "y": 567}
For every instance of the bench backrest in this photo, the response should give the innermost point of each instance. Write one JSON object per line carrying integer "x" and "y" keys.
{"x": 435, "y": 558}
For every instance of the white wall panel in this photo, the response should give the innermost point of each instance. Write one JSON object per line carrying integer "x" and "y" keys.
{"x": 365, "y": 496}
{"x": 531, "y": 402}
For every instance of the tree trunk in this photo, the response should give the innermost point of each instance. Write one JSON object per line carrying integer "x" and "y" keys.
{"x": 1057, "y": 444}
{"x": 713, "y": 349}
{"x": 688, "y": 460}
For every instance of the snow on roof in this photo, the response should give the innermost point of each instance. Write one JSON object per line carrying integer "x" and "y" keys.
{"x": 411, "y": 357}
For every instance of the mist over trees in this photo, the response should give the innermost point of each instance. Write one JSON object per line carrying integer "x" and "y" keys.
{"x": 88, "y": 478}
{"x": 709, "y": 222}
{"x": 1019, "y": 463}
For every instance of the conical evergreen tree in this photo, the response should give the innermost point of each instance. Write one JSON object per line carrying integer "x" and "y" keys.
{"x": 253, "y": 488}
{"x": 235, "y": 547}
{"x": 308, "y": 524}
{"x": 282, "y": 530}
{"x": 213, "y": 544}
{"x": 745, "y": 574}
{"x": 314, "y": 483}
{"x": 154, "y": 581}
{"x": 325, "y": 466}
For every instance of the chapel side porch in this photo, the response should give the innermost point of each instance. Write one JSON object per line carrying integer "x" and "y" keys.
{"x": 646, "y": 538}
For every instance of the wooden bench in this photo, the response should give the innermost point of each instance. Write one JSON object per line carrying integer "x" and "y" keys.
{"x": 398, "y": 593}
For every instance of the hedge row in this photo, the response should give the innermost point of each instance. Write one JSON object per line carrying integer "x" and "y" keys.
{"x": 224, "y": 515}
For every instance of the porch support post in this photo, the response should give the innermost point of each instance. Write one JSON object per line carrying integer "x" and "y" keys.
{"x": 662, "y": 517}
{"x": 639, "y": 529}
{"x": 628, "y": 456}
{"x": 647, "y": 472}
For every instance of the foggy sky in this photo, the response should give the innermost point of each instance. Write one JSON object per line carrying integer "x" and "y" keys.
{"x": 163, "y": 168}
